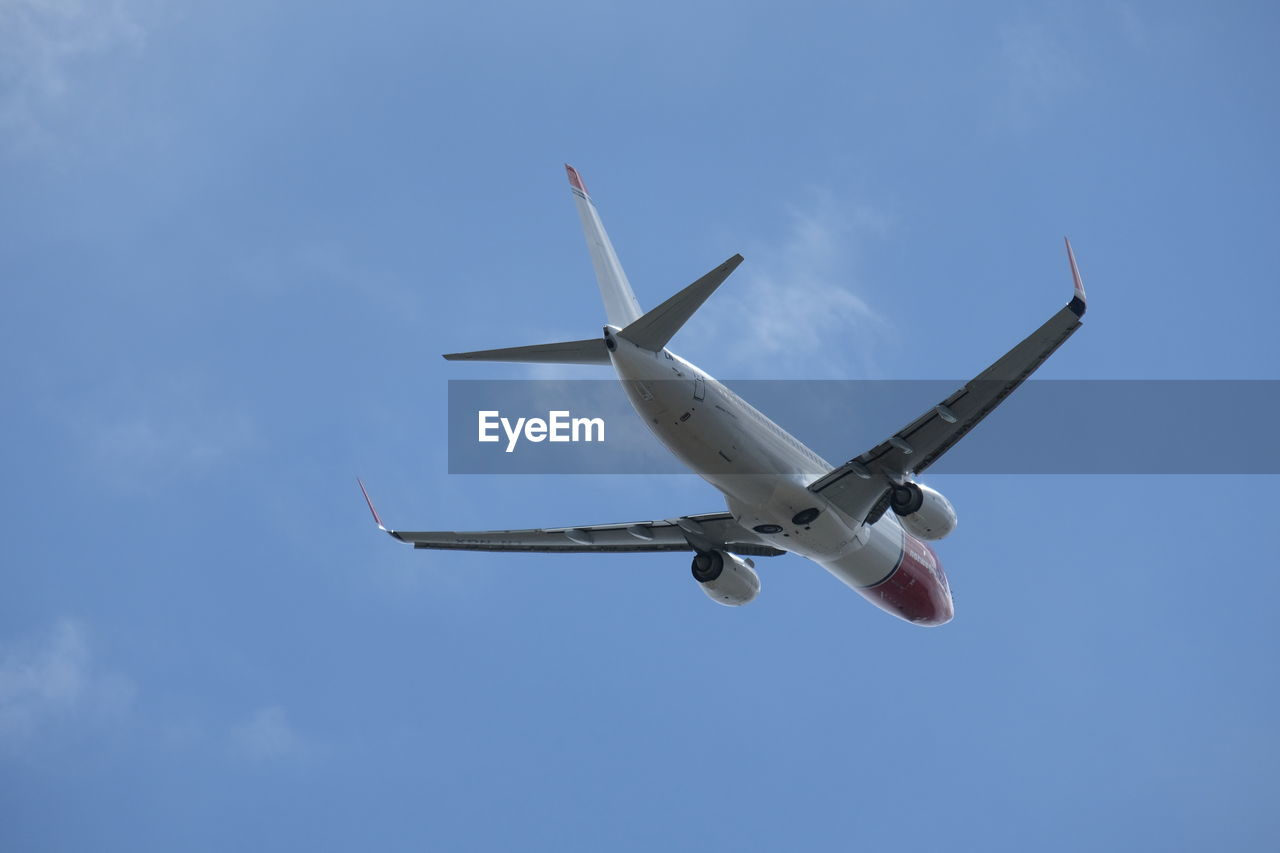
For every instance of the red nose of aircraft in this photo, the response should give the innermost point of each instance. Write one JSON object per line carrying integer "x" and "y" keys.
{"x": 917, "y": 591}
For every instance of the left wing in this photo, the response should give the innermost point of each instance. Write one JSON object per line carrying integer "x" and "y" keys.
{"x": 716, "y": 530}
{"x": 860, "y": 487}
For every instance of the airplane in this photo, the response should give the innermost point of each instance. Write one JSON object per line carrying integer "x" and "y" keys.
{"x": 869, "y": 521}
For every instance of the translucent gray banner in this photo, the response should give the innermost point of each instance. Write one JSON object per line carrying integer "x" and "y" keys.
{"x": 1044, "y": 427}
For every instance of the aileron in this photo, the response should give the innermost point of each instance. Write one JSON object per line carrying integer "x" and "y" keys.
{"x": 627, "y": 537}
{"x": 859, "y": 488}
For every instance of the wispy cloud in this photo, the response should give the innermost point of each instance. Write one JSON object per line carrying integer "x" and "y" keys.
{"x": 1132, "y": 25}
{"x": 52, "y": 679}
{"x": 798, "y": 299}
{"x": 311, "y": 268}
{"x": 1038, "y": 69}
{"x": 153, "y": 444}
{"x": 52, "y": 687}
{"x": 268, "y": 736}
{"x": 169, "y": 429}
{"x": 43, "y": 47}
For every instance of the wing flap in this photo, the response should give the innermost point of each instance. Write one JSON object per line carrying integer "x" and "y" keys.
{"x": 859, "y": 487}
{"x": 717, "y": 530}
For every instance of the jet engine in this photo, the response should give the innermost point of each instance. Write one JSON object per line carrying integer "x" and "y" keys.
{"x": 924, "y": 512}
{"x": 725, "y": 578}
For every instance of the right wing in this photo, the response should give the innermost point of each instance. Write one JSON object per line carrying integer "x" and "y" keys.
{"x": 860, "y": 487}
{"x": 687, "y": 533}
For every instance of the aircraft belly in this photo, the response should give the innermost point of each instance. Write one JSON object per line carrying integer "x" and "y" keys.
{"x": 875, "y": 561}
{"x": 765, "y": 487}
{"x": 698, "y": 434}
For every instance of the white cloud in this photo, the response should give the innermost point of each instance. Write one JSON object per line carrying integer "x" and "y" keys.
{"x": 43, "y": 44}
{"x": 150, "y": 444}
{"x": 267, "y": 735}
{"x": 1038, "y": 69}
{"x": 160, "y": 431}
{"x": 312, "y": 268}
{"x": 1132, "y": 25}
{"x": 795, "y": 307}
{"x": 53, "y": 679}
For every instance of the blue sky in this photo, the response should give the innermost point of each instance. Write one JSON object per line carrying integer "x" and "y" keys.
{"x": 238, "y": 236}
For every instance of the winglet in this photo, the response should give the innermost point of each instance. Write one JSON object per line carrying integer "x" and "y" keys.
{"x": 575, "y": 180}
{"x": 1077, "y": 304}
{"x": 370, "y": 503}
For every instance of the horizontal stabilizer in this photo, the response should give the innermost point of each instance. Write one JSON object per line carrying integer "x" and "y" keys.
{"x": 654, "y": 329}
{"x": 590, "y": 351}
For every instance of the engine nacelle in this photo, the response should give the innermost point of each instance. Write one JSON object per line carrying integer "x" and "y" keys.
{"x": 925, "y": 513}
{"x": 725, "y": 578}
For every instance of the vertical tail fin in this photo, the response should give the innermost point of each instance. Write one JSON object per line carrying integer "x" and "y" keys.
{"x": 620, "y": 303}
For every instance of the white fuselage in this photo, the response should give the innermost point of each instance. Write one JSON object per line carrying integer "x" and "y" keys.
{"x": 762, "y": 470}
